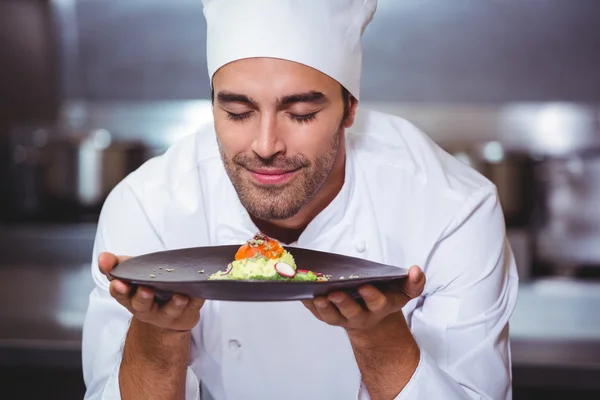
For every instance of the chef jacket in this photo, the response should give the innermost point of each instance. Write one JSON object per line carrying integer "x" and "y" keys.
{"x": 404, "y": 202}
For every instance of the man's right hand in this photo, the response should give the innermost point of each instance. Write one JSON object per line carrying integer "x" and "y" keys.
{"x": 180, "y": 313}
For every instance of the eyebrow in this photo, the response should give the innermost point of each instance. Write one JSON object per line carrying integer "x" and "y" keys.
{"x": 312, "y": 96}
{"x": 307, "y": 97}
{"x": 230, "y": 97}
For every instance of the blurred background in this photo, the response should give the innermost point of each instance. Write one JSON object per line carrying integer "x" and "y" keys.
{"x": 90, "y": 89}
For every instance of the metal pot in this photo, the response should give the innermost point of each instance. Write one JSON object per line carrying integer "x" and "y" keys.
{"x": 70, "y": 173}
{"x": 82, "y": 170}
{"x": 513, "y": 173}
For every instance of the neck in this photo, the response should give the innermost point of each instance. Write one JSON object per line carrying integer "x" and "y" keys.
{"x": 289, "y": 230}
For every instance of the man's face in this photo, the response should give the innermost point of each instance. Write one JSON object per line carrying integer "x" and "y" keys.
{"x": 279, "y": 127}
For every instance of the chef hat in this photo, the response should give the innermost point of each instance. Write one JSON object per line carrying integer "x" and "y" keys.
{"x": 322, "y": 34}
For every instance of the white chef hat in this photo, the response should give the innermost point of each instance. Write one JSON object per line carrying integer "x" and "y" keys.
{"x": 322, "y": 34}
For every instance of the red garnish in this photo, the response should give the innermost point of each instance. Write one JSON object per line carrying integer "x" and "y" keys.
{"x": 285, "y": 269}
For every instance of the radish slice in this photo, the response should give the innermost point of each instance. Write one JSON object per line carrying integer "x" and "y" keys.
{"x": 318, "y": 273}
{"x": 302, "y": 271}
{"x": 229, "y": 268}
{"x": 285, "y": 269}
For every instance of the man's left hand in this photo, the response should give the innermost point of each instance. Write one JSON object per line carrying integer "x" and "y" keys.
{"x": 340, "y": 309}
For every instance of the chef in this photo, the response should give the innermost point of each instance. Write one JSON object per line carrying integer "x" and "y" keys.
{"x": 290, "y": 154}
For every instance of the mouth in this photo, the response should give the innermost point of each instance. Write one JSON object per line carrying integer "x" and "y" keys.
{"x": 269, "y": 176}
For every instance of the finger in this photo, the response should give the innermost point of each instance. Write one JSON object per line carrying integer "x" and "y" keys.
{"x": 193, "y": 307}
{"x": 375, "y": 300}
{"x": 120, "y": 291}
{"x": 195, "y": 303}
{"x": 174, "y": 307}
{"x": 347, "y": 306}
{"x": 328, "y": 312}
{"x": 415, "y": 283}
{"x": 142, "y": 300}
{"x": 312, "y": 308}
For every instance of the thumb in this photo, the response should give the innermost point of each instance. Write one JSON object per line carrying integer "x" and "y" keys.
{"x": 415, "y": 282}
{"x": 107, "y": 261}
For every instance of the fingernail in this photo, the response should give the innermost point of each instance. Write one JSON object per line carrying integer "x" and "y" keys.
{"x": 365, "y": 292}
{"x": 145, "y": 294}
{"x": 321, "y": 303}
{"x": 419, "y": 277}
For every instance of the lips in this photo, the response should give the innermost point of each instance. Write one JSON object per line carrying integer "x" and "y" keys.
{"x": 271, "y": 176}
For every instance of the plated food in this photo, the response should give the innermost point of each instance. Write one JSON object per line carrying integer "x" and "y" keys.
{"x": 264, "y": 259}
{"x": 257, "y": 273}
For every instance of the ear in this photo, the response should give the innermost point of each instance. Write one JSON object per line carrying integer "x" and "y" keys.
{"x": 352, "y": 112}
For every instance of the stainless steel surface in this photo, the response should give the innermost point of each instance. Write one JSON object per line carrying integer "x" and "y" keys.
{"x": 558, "y": 309}
{"x": 555, "y": 335}
{"x": 45, "y": 305}
{"x": 45, "y": 272}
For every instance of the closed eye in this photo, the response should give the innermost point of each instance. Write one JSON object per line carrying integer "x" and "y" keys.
{"x": 238, "y": 117}
{"x": 304, "y": 117}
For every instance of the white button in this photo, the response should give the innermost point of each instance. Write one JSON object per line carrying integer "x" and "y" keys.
{"x": 234, "y": 345}
{"x": 360, "y": 246}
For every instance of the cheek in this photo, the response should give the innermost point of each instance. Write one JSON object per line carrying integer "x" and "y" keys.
{"x": 311, "y": 139}
{"x": 231, "y": 136}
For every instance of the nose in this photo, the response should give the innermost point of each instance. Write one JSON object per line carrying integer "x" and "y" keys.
{"x": 267, "y": 142}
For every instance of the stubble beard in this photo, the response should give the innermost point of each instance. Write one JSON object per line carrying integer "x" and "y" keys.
{"x": 280, "y": 202}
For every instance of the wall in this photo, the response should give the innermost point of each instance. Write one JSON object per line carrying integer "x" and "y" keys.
{"x": 437, "y": 51}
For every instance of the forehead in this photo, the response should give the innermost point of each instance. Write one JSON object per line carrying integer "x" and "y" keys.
{"x": 271, "y": 76}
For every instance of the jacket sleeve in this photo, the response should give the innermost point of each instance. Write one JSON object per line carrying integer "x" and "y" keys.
{"x": 123, "y": 229}
{"x": 461, "y": 323}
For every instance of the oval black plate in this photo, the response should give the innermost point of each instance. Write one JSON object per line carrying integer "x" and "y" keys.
{"x": 177, "y": 271}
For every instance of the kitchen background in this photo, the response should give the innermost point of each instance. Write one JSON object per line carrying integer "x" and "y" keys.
{"x": 89, "y": 89}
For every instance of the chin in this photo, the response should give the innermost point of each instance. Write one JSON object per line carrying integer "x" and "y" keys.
{"x": 272, "y": 214}
{"x": 271, "y": 207}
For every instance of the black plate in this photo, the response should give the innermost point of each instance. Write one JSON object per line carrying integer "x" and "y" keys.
{"x": 185, "y": 264}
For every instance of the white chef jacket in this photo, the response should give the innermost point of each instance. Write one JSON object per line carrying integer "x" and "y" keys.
{"x": 404, "y": 202}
